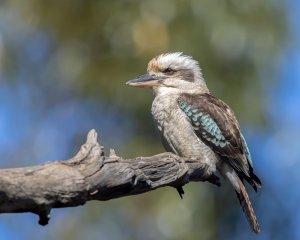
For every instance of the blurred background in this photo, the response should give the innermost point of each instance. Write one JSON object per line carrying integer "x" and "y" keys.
{"x": 63, "y": 68}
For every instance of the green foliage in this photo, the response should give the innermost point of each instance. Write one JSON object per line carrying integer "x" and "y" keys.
{"x": 101, "y": 44}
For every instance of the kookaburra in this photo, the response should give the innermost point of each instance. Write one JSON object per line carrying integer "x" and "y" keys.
{"x": 194, "y": 123}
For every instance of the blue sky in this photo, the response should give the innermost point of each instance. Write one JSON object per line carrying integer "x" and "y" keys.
{"x": 277, "y": 146}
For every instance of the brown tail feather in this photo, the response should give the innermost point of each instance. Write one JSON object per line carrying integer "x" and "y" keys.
{"x": 247, "y": 207}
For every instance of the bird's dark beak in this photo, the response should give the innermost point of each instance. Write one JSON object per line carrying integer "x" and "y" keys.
{"x": 145, "y": 81}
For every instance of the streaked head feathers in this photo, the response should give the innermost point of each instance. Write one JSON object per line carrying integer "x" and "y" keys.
{"x": 176, "y": 61}
{"x": 170, "y": 73}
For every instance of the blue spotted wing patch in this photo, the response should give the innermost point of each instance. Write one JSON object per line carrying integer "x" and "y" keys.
{"x": 215, "y": 124}
{"x": 205, "y": 123}
{"x": 247, "y": 152}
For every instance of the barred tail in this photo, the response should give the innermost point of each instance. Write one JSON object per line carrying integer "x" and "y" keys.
{"x": 247, "y": 206}
{"x": 228, "y": 172}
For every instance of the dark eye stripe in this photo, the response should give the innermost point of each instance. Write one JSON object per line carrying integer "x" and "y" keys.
{"x": 168, "y": 71}
{"x": 187, "y": 75}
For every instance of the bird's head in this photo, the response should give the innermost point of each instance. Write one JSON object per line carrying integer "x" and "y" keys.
{"x": 172, "y": 72}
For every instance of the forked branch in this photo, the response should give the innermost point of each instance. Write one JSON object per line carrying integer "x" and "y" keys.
{"x": 90, "y": 175}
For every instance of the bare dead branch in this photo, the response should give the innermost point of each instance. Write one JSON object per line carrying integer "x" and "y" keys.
{"x": 90, "y": 175}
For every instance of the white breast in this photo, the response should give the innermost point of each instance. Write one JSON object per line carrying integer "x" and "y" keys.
{"x": 176, "y": 130}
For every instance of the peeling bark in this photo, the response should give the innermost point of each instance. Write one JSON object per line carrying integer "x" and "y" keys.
{"x": 90, "y": 175}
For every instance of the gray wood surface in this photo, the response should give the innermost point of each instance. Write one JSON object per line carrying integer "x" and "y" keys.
{"x": 90, "y": 175}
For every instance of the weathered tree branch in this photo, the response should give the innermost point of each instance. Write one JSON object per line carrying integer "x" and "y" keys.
{"x": 90, "y": 175}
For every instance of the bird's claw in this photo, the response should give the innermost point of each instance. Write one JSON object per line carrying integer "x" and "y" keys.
{"x": 214, "y": 180}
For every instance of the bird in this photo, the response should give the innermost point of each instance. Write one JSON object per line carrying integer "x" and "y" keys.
{"x": 193, "y": 123}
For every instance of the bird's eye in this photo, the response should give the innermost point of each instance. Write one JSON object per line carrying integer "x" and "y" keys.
{"x": 168, "y": 71}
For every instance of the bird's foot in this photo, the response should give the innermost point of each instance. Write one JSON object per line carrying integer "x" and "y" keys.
{"x": 214, "y": 180}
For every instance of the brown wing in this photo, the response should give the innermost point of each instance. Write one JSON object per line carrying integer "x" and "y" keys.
{"x": 215, "y": 124}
